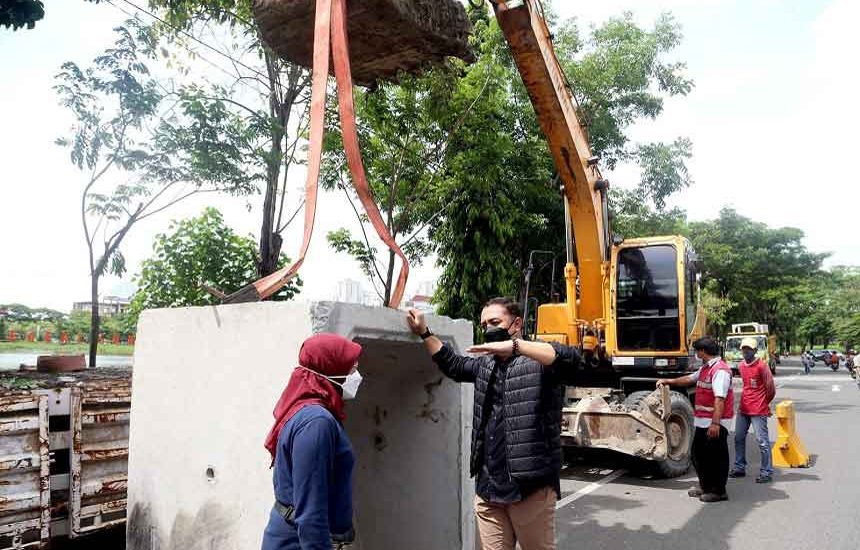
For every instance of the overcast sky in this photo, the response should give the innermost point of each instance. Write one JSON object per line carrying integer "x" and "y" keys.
{"x": 773, "y": 120}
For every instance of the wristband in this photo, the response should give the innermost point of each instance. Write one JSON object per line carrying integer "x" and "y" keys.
{"x": 516, "y": 347}
{"x": 426, "y": 334}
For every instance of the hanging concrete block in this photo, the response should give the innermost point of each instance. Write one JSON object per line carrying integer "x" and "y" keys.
{"x": 385, "y": 36}
{"x": 205, "y": 383}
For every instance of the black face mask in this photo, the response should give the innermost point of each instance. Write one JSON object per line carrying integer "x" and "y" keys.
{"x": 749, "y": 355}
{"x": 496, "y": 334}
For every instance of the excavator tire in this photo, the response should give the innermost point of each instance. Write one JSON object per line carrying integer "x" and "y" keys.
{"x": 681, "y": 431}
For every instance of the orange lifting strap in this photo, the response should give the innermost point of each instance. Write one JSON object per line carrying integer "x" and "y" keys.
{"x": 330, "y": 36}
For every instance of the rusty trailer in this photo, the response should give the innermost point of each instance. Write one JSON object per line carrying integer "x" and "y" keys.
{"x": 24, "y": 472}
{"x": 63, "y": 454}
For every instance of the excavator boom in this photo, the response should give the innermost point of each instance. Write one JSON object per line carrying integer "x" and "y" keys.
{"x": 531, "y": 45}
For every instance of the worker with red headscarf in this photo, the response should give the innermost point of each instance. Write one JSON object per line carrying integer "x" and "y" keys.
{"x": 311, "y": 453}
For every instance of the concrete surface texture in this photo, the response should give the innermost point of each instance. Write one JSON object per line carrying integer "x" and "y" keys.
{"x": 206, "y": 380}
{"x": 385, "y": 36}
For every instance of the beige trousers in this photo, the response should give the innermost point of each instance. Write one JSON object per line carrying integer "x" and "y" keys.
{"x": 531, "y": 522}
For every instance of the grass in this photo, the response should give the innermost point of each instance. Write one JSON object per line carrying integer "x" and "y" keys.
{"x": 36, "y": 347}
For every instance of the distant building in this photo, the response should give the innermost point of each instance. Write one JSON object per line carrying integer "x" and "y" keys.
{"x": 426, "y": 288}
{"x": 371, "y": 299}
{"x": 421, "y": 303}
{"x": 109, "y": 306}
{"x": 349, "y": 291}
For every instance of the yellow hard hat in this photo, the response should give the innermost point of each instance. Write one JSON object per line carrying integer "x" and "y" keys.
{"x": 751, "y": 343}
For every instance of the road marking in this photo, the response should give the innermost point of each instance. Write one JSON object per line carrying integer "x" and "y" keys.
{"x": 590, "y": 488}
{"x": 836, "y": 388}
{"x": 784, "y": 380}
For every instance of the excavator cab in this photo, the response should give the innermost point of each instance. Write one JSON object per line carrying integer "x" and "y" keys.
{"x": 653, "y": 306}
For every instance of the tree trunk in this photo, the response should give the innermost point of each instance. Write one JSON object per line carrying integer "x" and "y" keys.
{"x": 270, "y": 239}
{"x": 389, "y": 277}
{"x": 94, "y": 319}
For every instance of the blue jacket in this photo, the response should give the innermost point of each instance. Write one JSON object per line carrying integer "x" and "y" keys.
{"x": 313, "y": 472}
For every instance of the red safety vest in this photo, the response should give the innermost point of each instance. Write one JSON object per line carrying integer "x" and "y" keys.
{"x": 758, "y": 389}
{"x": 705, "y": 392}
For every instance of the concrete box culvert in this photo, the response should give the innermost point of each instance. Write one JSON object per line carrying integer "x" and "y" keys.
{"x": 386, "y": 37}
{"x": 206, "y": 380}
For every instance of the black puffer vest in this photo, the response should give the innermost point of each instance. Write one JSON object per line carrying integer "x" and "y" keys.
{"x": 532, "y": 400}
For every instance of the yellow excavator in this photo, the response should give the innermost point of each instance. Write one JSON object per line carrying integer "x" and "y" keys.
{"x": 630, "y": 304}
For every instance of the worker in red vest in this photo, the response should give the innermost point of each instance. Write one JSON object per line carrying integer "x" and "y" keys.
{"x": 759, "y": 390}
{"x": 714, "y": 411}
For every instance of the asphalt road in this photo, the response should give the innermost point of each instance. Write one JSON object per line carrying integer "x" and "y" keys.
{"x": 613, "y": 503}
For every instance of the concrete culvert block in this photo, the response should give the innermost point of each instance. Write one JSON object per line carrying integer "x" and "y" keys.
{"x": 205, "y": 382}
{"x": 385, "y": 36}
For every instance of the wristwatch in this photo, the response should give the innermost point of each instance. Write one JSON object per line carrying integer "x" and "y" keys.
{"x": 426, "y": 334}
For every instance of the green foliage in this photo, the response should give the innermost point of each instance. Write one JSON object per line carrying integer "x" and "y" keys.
{"x": 757, "y": 268}
{"x": 664, "y": 171}
{"x": 828, "y": 307}
{"x": 620, "y": 75}
{"x": 22, "y": 313}
{"x": 342, "y": 241}
{"x": 71, "y": 348}
{"x": 78, "y": 323}
{"x": 21, "y": 13}
{"x": 152, "y": 156}
{"x": 404, "y": 132}
{"x": 183, "y": 13}
{"x": 717, "y": 309}
{"x": 503, "y": 201}
{"x": 248, "y": 124}
{"x": 632, "y": 216}
{"x": 196, "y": 251}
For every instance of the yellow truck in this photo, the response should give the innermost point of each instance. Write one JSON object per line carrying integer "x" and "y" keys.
{"x": 766, "y": 344}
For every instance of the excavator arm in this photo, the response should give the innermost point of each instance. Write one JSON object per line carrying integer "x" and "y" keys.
{"x": 528, "y": 36}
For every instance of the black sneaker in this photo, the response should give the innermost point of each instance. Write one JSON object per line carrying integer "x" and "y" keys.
{"x": 737, "y": 473}
{"x": 764, "y": 479}
{"x": 714, "y": 497}
{"x": 695, "y": 493}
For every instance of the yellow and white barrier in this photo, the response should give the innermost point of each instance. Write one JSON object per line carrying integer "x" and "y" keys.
{"x": 788, "y": 451}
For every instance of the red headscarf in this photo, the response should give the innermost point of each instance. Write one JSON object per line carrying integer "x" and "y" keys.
{"x": 327, "y": 354}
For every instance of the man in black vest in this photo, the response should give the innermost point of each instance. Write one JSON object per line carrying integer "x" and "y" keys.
{"x": 516, "y": 431}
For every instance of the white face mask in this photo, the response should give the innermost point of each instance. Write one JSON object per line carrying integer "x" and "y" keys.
{"x": 349, "y": 386}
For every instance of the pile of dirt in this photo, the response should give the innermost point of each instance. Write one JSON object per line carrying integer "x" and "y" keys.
{"x": 101, "y": 377}
{"x": 385, "y": 36}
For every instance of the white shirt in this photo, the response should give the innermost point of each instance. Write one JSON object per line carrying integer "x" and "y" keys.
{"x": 721, "y": 383}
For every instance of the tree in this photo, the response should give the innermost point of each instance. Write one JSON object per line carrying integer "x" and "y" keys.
{"x": 846, "y": 301}
{"x": 135, "y": 156}
{"x": 22, "y": 313}
{"x": 717, "y": 310}
{"x": 500, "y": 172}
{"x": 201, "y": 250}
{"x": 404, "y": 130}
{"x": 755, "y": 267}
{"x": 24, "y": 13}
{"x": 21, "y": 13}
{"x": 264, "y": 98}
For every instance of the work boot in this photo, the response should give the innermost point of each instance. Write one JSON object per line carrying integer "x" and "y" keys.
{"x": 737, "y": 473}
{"x": 764, "y": 478}
{"x": 695, "y": 493}
{"x": 714, "y": 497}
